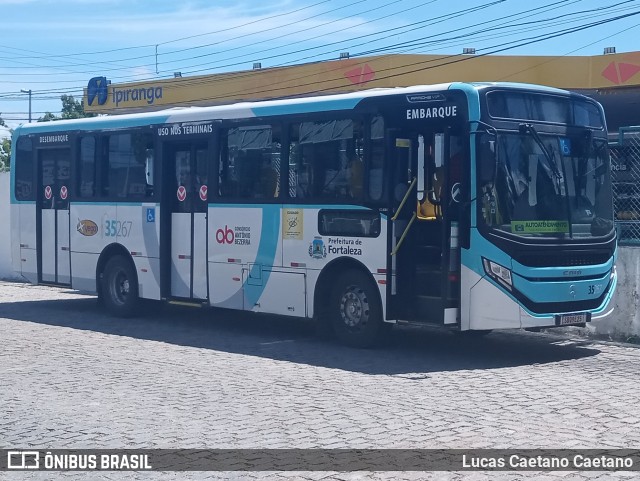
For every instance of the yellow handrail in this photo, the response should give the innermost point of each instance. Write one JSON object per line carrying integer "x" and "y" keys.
{"x": 406, "y": 196}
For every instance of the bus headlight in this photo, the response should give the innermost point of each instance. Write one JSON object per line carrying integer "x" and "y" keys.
{"x": 498, "y": 273}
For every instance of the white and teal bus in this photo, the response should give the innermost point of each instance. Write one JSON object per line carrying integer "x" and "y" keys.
{"x": 471, "y": 206}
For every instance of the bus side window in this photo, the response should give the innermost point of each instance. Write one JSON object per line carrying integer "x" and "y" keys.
{"x": 326, "y": 160}
{"x": 127, "y": 160}
{"x": 225, "y": 182}
{"x": 376, "y": 159}
{"x": 298, "y": 168}
{"x": 87, "y": 168}
{"x": 24, "y": 171}
{"x": 250, "y": 163}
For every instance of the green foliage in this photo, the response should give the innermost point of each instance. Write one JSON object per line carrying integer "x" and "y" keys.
{"x": 5, "y": 154}
{"x": 71, "y": 109}
{"x": 5, "y": 149}
{"x": 48, "y": 117}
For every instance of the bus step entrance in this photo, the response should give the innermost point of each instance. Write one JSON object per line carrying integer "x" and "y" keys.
{"x": 428, "y": 281}
{"x": 430, "y": 309}
{"x": 176, "y": 302}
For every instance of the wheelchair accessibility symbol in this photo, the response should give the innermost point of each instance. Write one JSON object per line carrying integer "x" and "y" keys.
{"x": 151, "y": 214}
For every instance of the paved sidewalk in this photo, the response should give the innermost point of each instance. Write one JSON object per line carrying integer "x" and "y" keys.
{"x": 72, "y": 377}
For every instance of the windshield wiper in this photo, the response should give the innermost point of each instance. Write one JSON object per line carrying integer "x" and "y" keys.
{"x": 530, "y": 129}
{"x": 550, "y": 158}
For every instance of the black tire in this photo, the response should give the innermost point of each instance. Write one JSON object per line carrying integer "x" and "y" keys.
{"x": 120, "y": 287}
{"x": 356, "y": 310}
{"x": 323, "y": 328}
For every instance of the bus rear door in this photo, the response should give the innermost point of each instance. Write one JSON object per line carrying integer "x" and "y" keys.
{"x": 184, "y": 227}
{"x": 52, "y": 216}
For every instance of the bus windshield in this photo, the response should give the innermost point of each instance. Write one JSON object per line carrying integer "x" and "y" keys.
{"x": 540, "y": 185}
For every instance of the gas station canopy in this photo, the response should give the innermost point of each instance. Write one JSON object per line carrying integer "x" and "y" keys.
{"x": 612, "y": 79}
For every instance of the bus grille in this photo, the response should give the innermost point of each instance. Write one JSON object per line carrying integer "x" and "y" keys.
{"x": 568, "y": 259}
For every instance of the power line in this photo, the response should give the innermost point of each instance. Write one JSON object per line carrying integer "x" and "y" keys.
{"x": 195, "y": 82}
{"x": 121, "y": 49}
{"x": 568, "y": 53}
{"x": 510, "y": 29}
{"x": 289, "y": 53}
{"x": 447, "y": 60}
{"x": 209, "y": 33}
{"x": 281, "y": 36}
{"x": 199, "y": 81}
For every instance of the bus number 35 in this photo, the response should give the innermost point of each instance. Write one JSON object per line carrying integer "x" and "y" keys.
{"x": 116, "y": 228}
{"x": 594, "y": 289}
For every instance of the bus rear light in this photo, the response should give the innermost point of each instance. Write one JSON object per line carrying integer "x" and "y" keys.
{"x": 498, "y": 273}
{"x": 382, "y": 271}
{"x": 382, "y": 281}
{"x": 298, "y": 264}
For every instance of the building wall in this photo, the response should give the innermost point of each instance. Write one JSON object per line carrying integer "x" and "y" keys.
{"x": 5, "y": 232}
{"x": 625, "y": 320}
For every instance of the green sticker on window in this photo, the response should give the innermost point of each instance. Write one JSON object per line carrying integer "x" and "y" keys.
{"x": 539, "y": 226}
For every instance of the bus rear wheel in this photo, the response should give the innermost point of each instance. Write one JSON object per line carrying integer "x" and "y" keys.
{"x": 356, "y": 311}
{"x": 120, "y": 287}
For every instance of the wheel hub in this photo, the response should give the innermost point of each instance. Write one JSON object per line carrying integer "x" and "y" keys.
{"x": 120, "y": 287}
{"x": 354, "y": 307}
{"x": 124, "y": 287}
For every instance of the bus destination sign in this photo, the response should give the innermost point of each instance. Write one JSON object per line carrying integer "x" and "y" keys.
{"x": 181, "y": 130}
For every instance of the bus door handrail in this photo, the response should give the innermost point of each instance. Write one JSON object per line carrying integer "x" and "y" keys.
{"x": 414, "y": 216}
{"x": 404, "y": 200}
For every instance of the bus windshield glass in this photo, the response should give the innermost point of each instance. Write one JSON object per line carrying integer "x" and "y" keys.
{"x": 540, "y": 185}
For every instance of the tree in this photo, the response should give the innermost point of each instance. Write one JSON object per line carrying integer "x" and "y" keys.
{"x": 5, "y": 154}
{"x": 5, "y": 147}
{"x": 48, "y": 117}
{"x": 71, "y": 109}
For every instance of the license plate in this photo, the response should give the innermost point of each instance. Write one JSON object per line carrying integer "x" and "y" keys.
{"x": 570, "y": 319}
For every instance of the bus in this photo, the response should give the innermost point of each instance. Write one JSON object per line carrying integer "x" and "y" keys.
{"x": 473, "y": 206}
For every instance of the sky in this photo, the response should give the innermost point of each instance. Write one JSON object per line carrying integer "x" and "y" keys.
{"x": 53, "y": 47}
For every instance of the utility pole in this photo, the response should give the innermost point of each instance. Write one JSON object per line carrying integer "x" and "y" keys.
{"x": 28, "y": 92}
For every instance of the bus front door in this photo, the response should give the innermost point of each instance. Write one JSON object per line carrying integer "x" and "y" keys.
{"x": 54, "y": 260}
{"x": 187, "y": 184}
{"x": 424, "y": 264}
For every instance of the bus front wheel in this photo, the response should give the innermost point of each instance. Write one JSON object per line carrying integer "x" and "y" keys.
{"x": 356, "y": 313}
{"x": 120, "y": 287}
